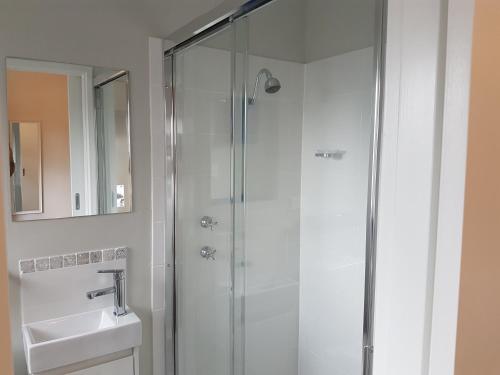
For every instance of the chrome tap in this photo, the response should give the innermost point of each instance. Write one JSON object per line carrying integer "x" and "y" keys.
{"x": 208, "y": 252}
{"x": 208, "y": 222}
{"x": 118, "y": 289}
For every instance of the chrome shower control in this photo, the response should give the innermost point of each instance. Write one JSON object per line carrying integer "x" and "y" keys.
{"x": 208, "y": 252}
{"x": 208, "y": 222}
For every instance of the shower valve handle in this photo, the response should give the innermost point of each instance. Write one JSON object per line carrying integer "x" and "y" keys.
{"x": 208, "y": 222}
{"x": 208, "y": 252}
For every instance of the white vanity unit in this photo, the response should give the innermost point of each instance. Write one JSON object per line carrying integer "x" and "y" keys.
{"x": 65, "y": 331}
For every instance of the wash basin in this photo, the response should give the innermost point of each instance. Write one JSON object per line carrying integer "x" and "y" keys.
{"x": 54, "y": 343}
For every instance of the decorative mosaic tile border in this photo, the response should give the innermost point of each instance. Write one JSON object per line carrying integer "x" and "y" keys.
{"x": 71, "y": 260}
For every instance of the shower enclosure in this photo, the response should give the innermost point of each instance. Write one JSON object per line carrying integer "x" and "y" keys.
{"x": 273, "y": 122}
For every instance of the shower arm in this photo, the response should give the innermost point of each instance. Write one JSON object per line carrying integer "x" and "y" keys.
{"x": 268, "y": 74}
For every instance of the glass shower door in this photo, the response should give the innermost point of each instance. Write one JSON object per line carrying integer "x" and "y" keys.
{"x": 275, "y": 133}
{"x": 309, "y": 125}
{"x": 203, "y": 212}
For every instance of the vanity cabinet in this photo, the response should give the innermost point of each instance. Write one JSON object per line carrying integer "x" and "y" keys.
{"x": 121, "y": 363}
{"x": 123, "y": 366}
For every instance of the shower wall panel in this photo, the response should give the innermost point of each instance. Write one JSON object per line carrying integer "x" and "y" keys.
{"x": 272, "y": 227}
{"x": 337, "y": 117}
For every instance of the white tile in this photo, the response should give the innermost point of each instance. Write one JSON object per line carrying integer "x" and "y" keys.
{"x": 158, "y": 243}
{"x": 158, "y": 153}
{"x": 204, "y": 154}
{"x": 158, "y": 136}
{"x": 213, "y": 76}
{"x": 169, "y": 295}
{"x": 155, "y": 60}
{"x": 158, "y": 287}
{"x": 205, "y": 112}
{"x": 272, "y": 345}
{"x": 159, "y": 354}
{"x": 159, "y": 199}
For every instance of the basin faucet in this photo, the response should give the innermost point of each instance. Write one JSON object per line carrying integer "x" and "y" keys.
{"x": 118, "y": 289}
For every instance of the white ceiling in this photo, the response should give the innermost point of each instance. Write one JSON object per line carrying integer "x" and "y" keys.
{"x": 300, "y": 30}
{"x": 296, "y": 30}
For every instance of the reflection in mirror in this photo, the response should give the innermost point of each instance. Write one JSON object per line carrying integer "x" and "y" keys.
{"x": 26, "y": 171}
{"x": 69, "y": 140}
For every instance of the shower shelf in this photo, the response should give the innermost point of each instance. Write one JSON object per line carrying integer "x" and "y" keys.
{"x": 336, "y": 154}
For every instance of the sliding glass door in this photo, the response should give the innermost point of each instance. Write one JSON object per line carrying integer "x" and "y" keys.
{"x": 275, "y": 134}
{"x": 203, "y": 210}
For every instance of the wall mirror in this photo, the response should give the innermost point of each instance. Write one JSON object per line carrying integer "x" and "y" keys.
{"x": 69, "y": 132}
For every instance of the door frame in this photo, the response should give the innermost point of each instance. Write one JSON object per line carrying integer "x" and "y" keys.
{"x": 452, "y": 187}
{"x": 422, "y": 185}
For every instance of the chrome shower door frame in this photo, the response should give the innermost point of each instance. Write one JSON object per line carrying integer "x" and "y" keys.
{"x": 238, "y": 118}
{"x": 373, "y": 185}
{"x": 237, "y": 181}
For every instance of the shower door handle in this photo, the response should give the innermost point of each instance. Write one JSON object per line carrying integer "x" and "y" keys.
{"x": 208, "y": 252}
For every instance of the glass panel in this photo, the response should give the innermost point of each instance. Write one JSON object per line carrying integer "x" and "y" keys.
{"x": 204, "y": 226}
{"x": 274, "y": 121}
{"x": 307, "y": 155}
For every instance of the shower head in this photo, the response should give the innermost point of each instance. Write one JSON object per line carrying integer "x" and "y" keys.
{"x": 271, "y": 86}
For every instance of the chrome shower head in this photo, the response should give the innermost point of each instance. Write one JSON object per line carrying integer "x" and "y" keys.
{"x": 271, "y": 86}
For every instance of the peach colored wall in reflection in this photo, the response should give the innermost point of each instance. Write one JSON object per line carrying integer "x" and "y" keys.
{"x": 478, "y": 341}
{"x": 42, "y": 97}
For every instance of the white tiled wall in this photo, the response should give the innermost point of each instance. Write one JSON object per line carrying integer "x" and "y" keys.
{"x": 159, "y": 261}
{"x": 337, "y": 116}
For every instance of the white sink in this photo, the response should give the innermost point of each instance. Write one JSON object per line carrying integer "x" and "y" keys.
{"x": 54, "y": 343}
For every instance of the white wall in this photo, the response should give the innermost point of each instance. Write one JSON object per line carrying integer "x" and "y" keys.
{"x": 334, "y": 27}
{"x": 408, "y": 187}
{"x": 60, "y": 292}
{"x": 161, "y": 264}
{"x": 452, "y": 187}
{"x": 337, "y": 116}
{"x": 111, "y": 34}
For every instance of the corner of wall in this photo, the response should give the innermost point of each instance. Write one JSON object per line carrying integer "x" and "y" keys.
{"x": 158, "y": 198}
